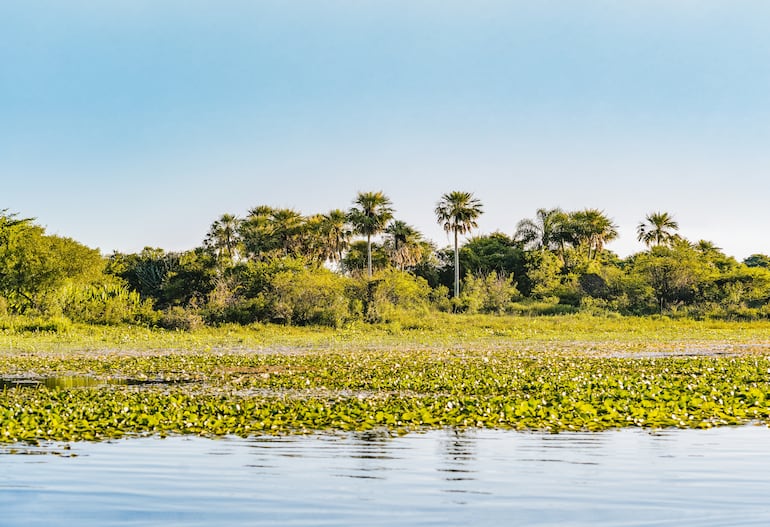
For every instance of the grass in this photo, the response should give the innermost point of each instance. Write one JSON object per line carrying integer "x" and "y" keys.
{"x": 546, "y": 373}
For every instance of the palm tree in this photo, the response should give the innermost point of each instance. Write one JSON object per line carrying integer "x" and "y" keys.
{"x": 592, "y": 228}
{"x": 545, "y": 232}
{"x": 657, "y": 229}
{"x": 370, "y": 214}
{"x": 287, "y": 226}
{"x": 223, "y": 236}
{"x": 457, "y": 212}
{"x": 255, "y": 232}
{"x": 334, "y": 235}
{"x": 404, "y": 245}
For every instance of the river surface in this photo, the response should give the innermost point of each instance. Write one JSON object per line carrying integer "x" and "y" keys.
{"x": 626, "y": 477}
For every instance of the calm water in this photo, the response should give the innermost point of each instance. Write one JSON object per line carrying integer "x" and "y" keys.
{"x": 618, "y": 478}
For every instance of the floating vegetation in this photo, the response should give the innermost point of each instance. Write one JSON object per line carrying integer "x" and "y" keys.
{"x": 547, "y": 384}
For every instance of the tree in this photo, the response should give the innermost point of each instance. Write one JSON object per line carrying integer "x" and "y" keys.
{"x": 370, "y": 214}
{"x": 9, "y": 220}
{"x": 673, "y": 273}
{"x": 657, "y": 229}
{"x": 545, "y": 232}
{"x": 223, "y": 237}
{"x": 593, "y": 229}
{"x": 288, "y": 228}
{"x": 34, "y": 265}
{"x": 256, "y": 231}
{"x": 492, "y": 253}
{"x": 269, "y": 233}
{"x": 355, "y": 259}
{"x": 457, "y": 212}
{"x": 335, "y": 233}
{"x": 403, "y": 245}
{"x": 758, "y": 260}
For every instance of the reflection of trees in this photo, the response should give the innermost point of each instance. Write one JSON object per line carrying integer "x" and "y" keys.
{"x": 458, "y": 450}
{"x": 372, "y": 444}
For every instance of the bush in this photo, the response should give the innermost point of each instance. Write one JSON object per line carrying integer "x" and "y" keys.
{"x": 308, "y": 297}
{"x": 389, "y": 292}
{"x": 179, "y": 318}
{"x": 105, "y": 303}
{"x": 487, "y": 294}
{"x": 439, "y": 297}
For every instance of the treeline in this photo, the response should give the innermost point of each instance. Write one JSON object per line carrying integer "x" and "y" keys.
{"x": 278, "y": 265}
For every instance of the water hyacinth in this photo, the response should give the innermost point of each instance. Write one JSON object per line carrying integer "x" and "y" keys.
{"x": 399, "y": 383}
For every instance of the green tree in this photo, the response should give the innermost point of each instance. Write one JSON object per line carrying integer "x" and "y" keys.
{"x": 404, "y": 244}
{"x": 545, "y": 232}
{"x": 490, "y": 293}
{"x": 457, "y": 212}
{"x": 492, "y": 253}
{"x": 359, "y": 254}
{"x": 336, "y": 234}
{"x": 369, "y": 216}
{"x": 34, "y": 266}
{"x": 224, "y": 238}
{"x": 542, "y": 274}
{"x": 269, "y": 233}
{"x": 758, "y": 260}
{"x": 591, "y": 228}
{"x": 658, "y": 228}
{"x": 148, "y": 272}
{"x": 255, "y": 232}
{"x": 674, "y": 273}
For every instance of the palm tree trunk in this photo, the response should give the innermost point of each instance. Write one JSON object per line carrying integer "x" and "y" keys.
{"x": 369, "y": 254}
{"x": 457, "y": 268}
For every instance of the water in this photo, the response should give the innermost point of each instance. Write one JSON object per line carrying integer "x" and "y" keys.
{"x": 79, "y": 381}
{"x": 480, "y": 477}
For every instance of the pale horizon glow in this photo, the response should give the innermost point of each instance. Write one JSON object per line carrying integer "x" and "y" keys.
{"x": 133, "y": 124}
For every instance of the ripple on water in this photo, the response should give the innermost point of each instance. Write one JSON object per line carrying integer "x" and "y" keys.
{"x": 450, "y": 477}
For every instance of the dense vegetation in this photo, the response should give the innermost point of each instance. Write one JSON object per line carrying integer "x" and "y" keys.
{"x": 544, "y": 373}
{"x": 277, "y": 265}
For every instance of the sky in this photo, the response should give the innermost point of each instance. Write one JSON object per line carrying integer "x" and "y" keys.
{"x": 136, "y": 123}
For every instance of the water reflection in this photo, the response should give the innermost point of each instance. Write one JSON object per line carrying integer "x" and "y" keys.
{"x": 458, "y": 448}
{"x": 446, "y": 477}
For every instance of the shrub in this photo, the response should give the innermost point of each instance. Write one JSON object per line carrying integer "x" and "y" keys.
{"x": 308, "y": 297}
{"x": 487, "y": 294}
{"x": 390, "y": 292}
{"x": 179, "y": 318}
{"x": 104, "y": 303}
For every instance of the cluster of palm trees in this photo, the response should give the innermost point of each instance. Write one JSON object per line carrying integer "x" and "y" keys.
{"x": 555, "y": 230}
{"x": 268, "y": 232}
{"x": 588, "y": 230}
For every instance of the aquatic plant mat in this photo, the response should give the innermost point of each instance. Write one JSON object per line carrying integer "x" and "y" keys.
{"x": 554, "y": 374}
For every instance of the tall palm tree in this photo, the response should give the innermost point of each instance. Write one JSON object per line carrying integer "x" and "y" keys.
{"x": 657, "y": 229}
{"x": 223, "y": 236}
{"x": 370, "y": 214}
{"x": 457, "y": 213}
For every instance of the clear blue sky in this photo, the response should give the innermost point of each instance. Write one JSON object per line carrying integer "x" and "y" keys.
{"x": 138, "y": 122}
